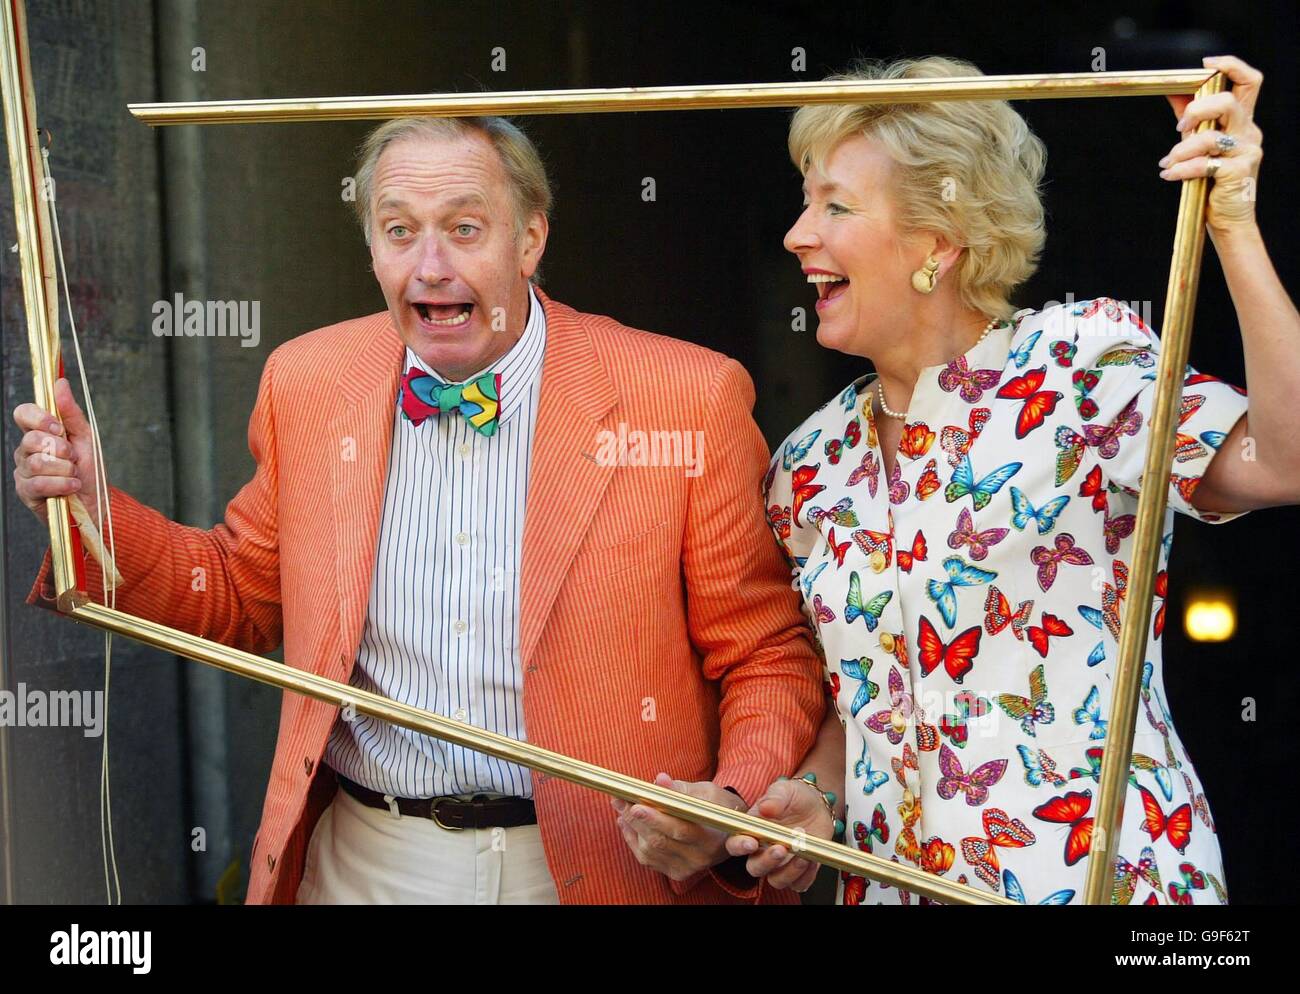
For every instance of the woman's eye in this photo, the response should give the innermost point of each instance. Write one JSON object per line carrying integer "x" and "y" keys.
{"x": 835, "y": 209}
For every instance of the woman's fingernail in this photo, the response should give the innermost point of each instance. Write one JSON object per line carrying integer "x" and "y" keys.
{"x": 56, "y": 428}
{"x": 749, "y": 845}
{"x": 1164, "y": 162}
{"x": 1182, "y": 123}
{"x": 1164, "y": 174}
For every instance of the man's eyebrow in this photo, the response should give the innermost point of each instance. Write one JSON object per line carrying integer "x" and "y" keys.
{"x": 455, "y": 204}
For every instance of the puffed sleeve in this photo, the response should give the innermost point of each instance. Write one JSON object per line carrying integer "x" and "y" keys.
{"x": 1113, "y": 368}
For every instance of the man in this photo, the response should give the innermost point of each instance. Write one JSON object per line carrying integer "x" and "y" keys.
{"x": 443, "y": 513}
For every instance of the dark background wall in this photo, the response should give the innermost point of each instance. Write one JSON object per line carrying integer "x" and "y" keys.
{"x": 255, "y": 212}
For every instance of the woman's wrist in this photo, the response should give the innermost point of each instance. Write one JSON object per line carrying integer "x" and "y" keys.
{"x": 829, "y": 801}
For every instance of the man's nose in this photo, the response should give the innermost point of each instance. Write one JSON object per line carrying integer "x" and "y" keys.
{"x": 434, "y": 266}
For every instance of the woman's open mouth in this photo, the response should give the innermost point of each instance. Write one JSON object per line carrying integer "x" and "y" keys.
{"x": 434, "y": 315}
{"x": 829, "y": 286}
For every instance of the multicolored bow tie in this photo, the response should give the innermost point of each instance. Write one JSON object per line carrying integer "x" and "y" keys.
{"x": 478, "y": 401}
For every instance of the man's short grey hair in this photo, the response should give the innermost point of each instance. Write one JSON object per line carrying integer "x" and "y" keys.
{"x": 525, "y": 173}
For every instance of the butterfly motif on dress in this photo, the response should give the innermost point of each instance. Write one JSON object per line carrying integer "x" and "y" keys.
{"x": 956, "y": 727}
{"x": 1124, "y": 356}
{"x": 823, "y": 614}
{"x": 899, "y": 489}
{"x": 1180, "y": 891}
{"x": 1047, "y": 559}
{"x": 849, "y": 397}
{"x": 1038, "y": 403}
{"x": 1199, "y": 804}
{"x": 873, "y": 541}
{"x": 915, "y": 440}
{"x": 917, "y": 553}
{"x": 809, "y": 579}
{"x": 778, "y": 518}
{"x": 1106, "y": 438}
{"x": 997, "y": 614}
{"x": 979, "y": 541}
{"x": 1092, "y": 487}
{"x": 868, "y": 470}
{"x": 937, "y": 856}
{"x": 1159, "y": 771}
{"x": 971, "y": 382}
{"x": 1000, "y": 830}
{"x": 1117, "y": 529}
{"x": 873, "y": 778}
{"x": 1113, "y": 596}
{"x": 1161, "y": 590}
{"x": 835, "y": 447}
{"x": 958, "y": 656}
{"x": 975, "y": 785}
{"x": 804, "y": 488}
{"x": 1090, "y": 711}
{"x": 860, "y": 669}
{"x": 796, "y": 452}
{"x": 1071, "y": 808}
{"x": 841, "y": 514}
{"x": 1063, "y": 352}
{"x": 960, "y": 574}
{"x": 1033, "y": 710}
{"x": 1040, "y": 768}
{"x": 1093, "y": 616}
{"x": 1085, "y": 382}
{"x": 1195, "y": 378}
{"x": 1128, "y": 875}
{"x": 1020, "y": 356}
{"x": 957, "y": 441}
{"x": 1093, "y": 771}
{"x": 1176, "y": 826}
{"x": 963, "y": 483}
{"x": 928, "y": 483}
{"x": 1014, "y": 891}
{"x": 838, "y": 549}
{"x": 1186, "y": 447}
{"x": 900, "y": 766}
{"x": 878, "y": 830}
{"x": 1052, "y": 625}
{"x": 870, "y": 611}
{"x": 1072, "y": 446}
{"x": 1023, "y": 512}
{"x": 892, "y": 721}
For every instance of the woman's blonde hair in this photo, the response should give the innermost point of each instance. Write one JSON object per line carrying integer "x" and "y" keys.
{"x": 968, "y": 169}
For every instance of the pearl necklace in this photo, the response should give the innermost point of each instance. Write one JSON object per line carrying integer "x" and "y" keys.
{"x": 880, "y": 389}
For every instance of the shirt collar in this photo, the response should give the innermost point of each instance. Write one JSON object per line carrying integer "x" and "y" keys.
{"x": 519, "y": 367}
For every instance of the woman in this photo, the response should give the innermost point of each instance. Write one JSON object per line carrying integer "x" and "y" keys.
{"x": 961, "y": 522}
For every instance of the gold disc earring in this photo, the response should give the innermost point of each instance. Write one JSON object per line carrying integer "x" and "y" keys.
{"x": 923, "y": 280}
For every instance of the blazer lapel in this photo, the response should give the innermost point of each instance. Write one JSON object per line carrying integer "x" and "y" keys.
{"x": 565, "y": 483}
{"x": 358, "y": 441}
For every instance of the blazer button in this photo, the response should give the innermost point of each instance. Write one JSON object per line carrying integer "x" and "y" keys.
{"x": 307, "y": 764}
{"x": 270, "y": 861}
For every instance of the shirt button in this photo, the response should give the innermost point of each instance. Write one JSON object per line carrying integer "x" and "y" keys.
{"x": 463, "y": 449}
{"x": 462, "y": 538}
{"x": 461, "y": 714}
{"x": 460, "y": 627}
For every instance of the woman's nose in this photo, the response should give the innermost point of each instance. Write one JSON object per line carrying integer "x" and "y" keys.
{"x": 801, "y": 236}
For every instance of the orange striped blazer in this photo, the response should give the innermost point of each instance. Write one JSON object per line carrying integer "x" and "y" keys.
{"x": 639, "y": 583}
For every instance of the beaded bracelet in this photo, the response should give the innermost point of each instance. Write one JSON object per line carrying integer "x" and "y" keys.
{"x": 828, "y": 796}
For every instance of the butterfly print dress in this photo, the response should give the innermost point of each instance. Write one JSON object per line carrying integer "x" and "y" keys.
{"x": 969, "y": 609}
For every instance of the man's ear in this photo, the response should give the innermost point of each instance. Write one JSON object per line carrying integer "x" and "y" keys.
{"x": 532, "y": 244}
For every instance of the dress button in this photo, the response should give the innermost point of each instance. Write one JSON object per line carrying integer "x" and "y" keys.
{"x": 898, "y": 722}
{"x": 460, "y": 627}
{"x": 307, "y": 764}
{"x": 462, "y": 538}
{"x": 463, "y": 449}
{"x": 877, "y": 561}
{"x": 461, "y": 714}
{"x": 887, "y": 641}
{"x": 909, "y": 799}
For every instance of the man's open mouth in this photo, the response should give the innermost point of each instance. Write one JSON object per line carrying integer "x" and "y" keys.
{"x": 443, "y": 315}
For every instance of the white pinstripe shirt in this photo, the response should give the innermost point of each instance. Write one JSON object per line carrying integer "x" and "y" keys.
{"x": 442, "y": 625}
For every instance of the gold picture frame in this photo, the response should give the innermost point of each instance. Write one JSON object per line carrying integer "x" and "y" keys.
{"x": 40, "y": 302}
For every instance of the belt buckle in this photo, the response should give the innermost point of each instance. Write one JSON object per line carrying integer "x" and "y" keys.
{"x": 433, "y": 813}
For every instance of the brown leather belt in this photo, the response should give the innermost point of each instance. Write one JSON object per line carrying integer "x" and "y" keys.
{"x": 451, "y": 813}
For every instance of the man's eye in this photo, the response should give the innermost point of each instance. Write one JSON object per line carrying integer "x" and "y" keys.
{"x": 396, "y": 230}
{"x": 465, "y": 230}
